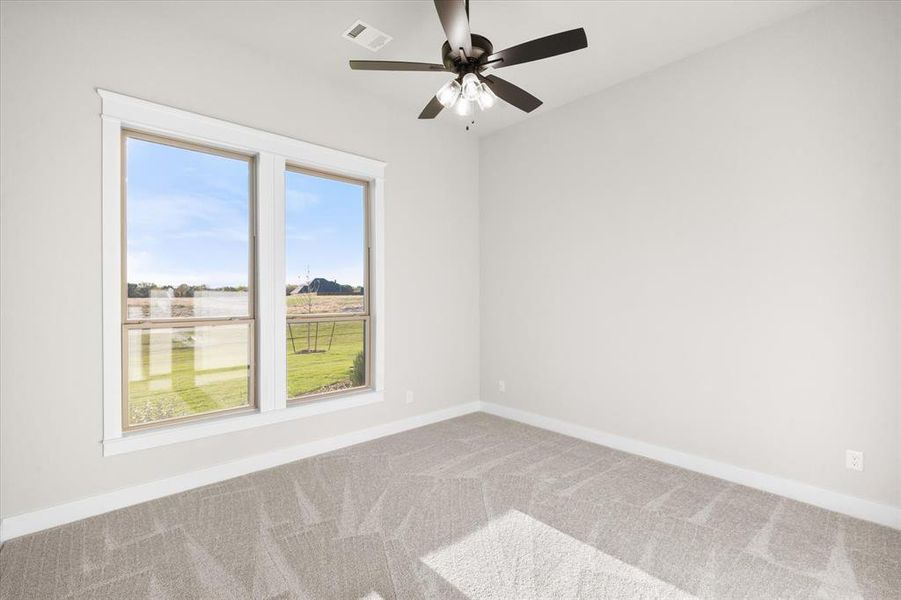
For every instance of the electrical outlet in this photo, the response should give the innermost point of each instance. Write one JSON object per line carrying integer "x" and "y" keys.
{"x": 409, "y": 397}
{"x": 854, "y": 460}
{"x": 501, "y": 386}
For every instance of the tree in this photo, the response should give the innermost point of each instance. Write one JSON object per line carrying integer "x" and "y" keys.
{"x": 307, "y": 292}
{"x": 309, "y": 286}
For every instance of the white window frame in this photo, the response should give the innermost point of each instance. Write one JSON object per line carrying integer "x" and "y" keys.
{"x": 272, "y": 152}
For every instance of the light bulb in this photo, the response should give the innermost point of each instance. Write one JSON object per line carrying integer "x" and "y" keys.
{"x": 471, "y": 86}
{"x": 487, "y": 99}
{"x": 448, "y": 93}
{"x": 463, "y": 107}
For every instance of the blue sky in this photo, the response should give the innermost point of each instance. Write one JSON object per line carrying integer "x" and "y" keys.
{"x": 187, "y": 220}
{"x": 323, "y": 229}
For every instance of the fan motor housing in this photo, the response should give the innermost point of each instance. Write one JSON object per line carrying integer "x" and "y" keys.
{"x": 481, "y": 46}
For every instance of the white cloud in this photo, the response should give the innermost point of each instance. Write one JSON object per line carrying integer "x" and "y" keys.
{"x": 295, "y": 200}
{"x": 174, "y": 213}
{"x": 308, "y": 235}
{"x": 218, "y": 233}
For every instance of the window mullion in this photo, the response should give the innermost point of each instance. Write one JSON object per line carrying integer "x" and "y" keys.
{"x": 267, "y": 275}
{"x": 279, "y": 340}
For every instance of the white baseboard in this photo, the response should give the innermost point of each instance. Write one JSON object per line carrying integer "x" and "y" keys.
{"x": 31, "y": 522}
{"x": 15, "y": 526}
{"x": 883, "y": 514}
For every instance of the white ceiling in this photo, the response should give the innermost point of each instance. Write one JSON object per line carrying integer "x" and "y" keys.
{"x": 625, "y": 39}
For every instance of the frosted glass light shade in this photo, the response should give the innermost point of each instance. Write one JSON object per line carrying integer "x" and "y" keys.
{"x": 463, "y": 107}
{"x": 448, "y": 93}
{"x": 471, "y": 87}
{"x": 487, "y": 99}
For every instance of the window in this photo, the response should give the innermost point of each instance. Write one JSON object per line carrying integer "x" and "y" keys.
{"x": 326, "y": 296}
{"x": 241, "y": 277}
{"x": 188, "y": 326}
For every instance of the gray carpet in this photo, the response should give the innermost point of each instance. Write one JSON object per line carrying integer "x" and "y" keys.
{"x": 474, "y": 507}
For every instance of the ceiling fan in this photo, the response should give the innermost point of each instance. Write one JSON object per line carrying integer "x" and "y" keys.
{"x": 468, "y": 54}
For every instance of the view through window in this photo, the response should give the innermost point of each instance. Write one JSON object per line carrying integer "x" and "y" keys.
{"x": 188, "y": 302}
{"x": 327, "y": 276}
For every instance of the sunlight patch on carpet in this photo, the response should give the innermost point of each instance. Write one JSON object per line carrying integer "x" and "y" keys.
{"x": 518, "y": 556}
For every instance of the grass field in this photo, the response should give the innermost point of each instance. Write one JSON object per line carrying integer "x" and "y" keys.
{"x": 310, "y": 303}
{"x": 177, "y": 372}
{"x": 323, "y": 371}
{"x": 230, "y": 304}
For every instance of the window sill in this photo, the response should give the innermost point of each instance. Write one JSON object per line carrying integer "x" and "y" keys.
{"x": 142, "y": 440}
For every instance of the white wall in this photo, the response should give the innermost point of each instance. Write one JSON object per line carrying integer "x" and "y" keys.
{"x": 707, "y": 257}
{"x": 52, "y": 56}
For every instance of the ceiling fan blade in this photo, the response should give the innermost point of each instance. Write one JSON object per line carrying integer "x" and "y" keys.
{"x": 431, "y": 109}
{"x": 455, "y": 21}
{"x": 394, "y": 65}
{"x": 508, "y": 92}
{"x": 552, "y": 45}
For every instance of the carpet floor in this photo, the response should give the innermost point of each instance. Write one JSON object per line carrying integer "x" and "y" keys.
{"x": 474, "y": 507}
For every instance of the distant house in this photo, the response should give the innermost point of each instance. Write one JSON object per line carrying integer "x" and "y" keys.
{"x": 323, "y": 287}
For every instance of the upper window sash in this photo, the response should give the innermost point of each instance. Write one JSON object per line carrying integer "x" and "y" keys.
{"x": 131, "y": 310}
{"x": 365, "y": 247}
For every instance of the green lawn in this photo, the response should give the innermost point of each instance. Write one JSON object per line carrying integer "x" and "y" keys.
{"x": 328, "y": 370}
{"x": 177, "y": 372}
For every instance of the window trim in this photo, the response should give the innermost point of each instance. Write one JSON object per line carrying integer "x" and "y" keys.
{"x": 272, "y": 153}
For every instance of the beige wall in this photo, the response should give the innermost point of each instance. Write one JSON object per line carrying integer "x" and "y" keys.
{"x": 707, "y": 257}
{"x": 52, "y": 57}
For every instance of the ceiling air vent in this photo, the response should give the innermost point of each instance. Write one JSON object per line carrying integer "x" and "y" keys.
{"x": 367, "y": 36}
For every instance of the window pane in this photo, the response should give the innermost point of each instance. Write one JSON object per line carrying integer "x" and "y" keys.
{"x": 326, "y": 356}
{"x": 187, "y": 232}
{"x": 182, "y": 371}
{"x": 324, "y": 245}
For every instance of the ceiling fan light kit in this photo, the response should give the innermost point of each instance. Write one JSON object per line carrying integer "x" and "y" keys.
{"x": 463, "y": 107}
{"x": 467, "y": 54}
{"x": 486, "y": 98}
{"x": 471, "y": 91}
{"x": 449, "y": 93}
{"x": 471, "y": 88}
